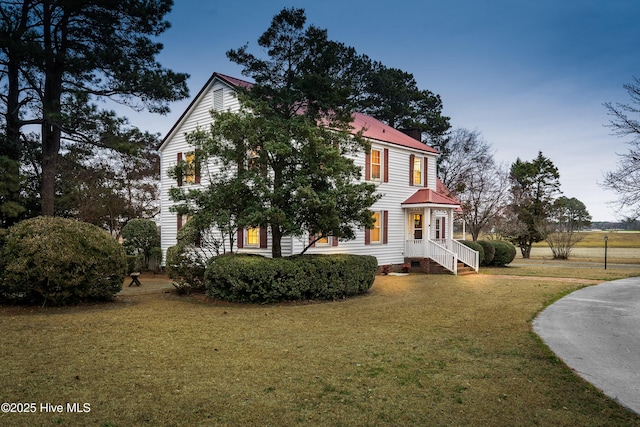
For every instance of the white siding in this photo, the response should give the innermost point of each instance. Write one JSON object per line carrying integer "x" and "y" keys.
{"x": 198, "y": 116}
{"x": 394, "y": 192}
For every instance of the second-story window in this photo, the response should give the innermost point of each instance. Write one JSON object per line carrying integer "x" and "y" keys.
{"x": 376, "y": 163}
{"x": 417, "y": 171}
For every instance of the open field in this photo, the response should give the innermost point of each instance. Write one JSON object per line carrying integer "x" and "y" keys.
{"x": 416, "y": 350}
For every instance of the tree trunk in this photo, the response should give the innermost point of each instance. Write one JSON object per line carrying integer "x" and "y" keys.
{"x": 51, "y": 110}
{"x": 276, "y": 241}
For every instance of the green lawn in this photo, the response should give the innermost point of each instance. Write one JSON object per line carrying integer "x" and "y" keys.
{"x": 417, "y": 350}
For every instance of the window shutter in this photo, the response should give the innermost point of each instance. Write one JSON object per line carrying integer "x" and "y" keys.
{"x": 411, "y": 162}
{"x": 335, "y": 241}
{"x": 386, "y": 165}
{"x": 367, "y": 236}
{"x": 179, "y": 173}
{"x": 312, "y": 237}
{"x": 240, "y": 238}
{"x": 263, "y": 237}
{"x": 179, "y": 226}
{"x": 367, "y": 166}
{"x": 426, "y": 171}
{"x": 197, "y": 168}
{"x": 385, "y": 227}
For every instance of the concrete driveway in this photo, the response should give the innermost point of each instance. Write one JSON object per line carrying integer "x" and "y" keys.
{"x": 596, "y": 332}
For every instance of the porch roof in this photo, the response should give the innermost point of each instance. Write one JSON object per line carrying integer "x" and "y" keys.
{"x": 428, "y": 196}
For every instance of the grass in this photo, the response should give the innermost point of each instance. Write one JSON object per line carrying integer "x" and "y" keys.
{"x": 416, "y": 350}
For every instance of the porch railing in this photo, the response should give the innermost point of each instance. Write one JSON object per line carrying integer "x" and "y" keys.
{"x": 442, "y": 256}
{"x": 444, "y": 252}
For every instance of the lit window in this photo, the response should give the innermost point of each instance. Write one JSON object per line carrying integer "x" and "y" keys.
{"x": 190, "y": 170}
{"x": 376, "y": 235}
{"x": 417, "y": 171}
{"x": 323, "y": 241}
{"x": 253, "y": 237}
{"x": 376, "y": 161}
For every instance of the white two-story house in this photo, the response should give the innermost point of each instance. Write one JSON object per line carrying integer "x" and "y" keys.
{"x": 413, "y": 218}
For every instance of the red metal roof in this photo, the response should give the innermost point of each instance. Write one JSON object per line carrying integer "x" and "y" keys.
{"x": 427, "y": 195}
{"x": 232, "y": 80}
{"x": 375, "y": 129}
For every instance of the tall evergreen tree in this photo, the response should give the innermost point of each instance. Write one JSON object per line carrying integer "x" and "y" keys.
{"x": 286, "y": 150}
{"x": 59, "y": 57}
{"x": 534, "y": 186}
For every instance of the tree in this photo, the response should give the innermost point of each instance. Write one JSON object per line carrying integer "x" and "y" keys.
{"x": 534, "y": 186}
{"x": 625, "y": 180}
{"x": 567, "y": 218}
{"x": 392, "y": 96}
{"x": 468, "y": 154}
{"x": 60, "y": 57}
{"x": 287, "y": 148}
{"x": 141, "y": 238}
{"x": 483, "y": 195}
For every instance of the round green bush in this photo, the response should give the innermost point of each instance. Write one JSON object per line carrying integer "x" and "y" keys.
{"x": 489, "y": 252}
{"x": 256, "y": 279}
{"x": 476, "y": 247}
{"x": 505, "y": 253}
{"x": 60, "y": 261}
{"x": 186, "y": 272}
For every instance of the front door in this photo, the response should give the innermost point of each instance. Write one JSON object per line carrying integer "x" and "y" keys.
{"x": 417, "y": 226}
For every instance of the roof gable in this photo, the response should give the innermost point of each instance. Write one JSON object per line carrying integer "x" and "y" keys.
{"x": 372, "y": 128}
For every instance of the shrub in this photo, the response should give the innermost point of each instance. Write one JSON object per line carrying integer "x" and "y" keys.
{"x": 60, "y": 261}
{"x": 255, "y": 279}
{"x": 505, "y": 253}
{"x": 186, "y": 272}
{"x": 489, "y": 252}
{"x": 141, "y": 238}
{"x": 476, "y": 247}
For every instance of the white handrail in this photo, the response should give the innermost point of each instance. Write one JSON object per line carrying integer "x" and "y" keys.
{"x": 467, "y": 255}
{"x": 443, "y": 256}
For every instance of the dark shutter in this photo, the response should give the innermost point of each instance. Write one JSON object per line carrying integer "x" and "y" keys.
{"x": 263, "y": 237}
{"x": 335, "y": 241}
{"x": 386, "y": 165}
{"x": 367, "y": 166}
{"x": 411, "y": 163}
{"x": 179, "y": 171}
{"x": 179, "y": 222}
{"x": 426, "y": 171}
{"x": 367, "y": 236}
{"x": 385, "y": 227}
{"x": 240, "y": 238}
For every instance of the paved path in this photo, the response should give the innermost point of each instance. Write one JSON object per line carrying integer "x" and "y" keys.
{"x": 596, "y": 331}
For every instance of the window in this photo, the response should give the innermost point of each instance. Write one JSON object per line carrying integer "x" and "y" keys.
{"x": 417, "y": 171}
{"x": 376, "y": 165}
{"x": 376, "y": 162}
{"x": 417, "y": 226}
{"x": 379, "y": 233}
{"x": 323, "y": 241}
{"x": 375, "y": 231}
{"x": 253, "y": 236}
{"x": 191, "y": 172}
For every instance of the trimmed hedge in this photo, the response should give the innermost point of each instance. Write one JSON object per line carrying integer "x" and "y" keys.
{"x": 60, "y": 261}
{"x": 489, "y": 252}
{"x": 256, "y": 279}
{"x": 476, "y": 247}
{"x": 505, "y": 253}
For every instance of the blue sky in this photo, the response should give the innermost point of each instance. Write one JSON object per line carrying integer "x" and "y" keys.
{"x": 529, "y": 75}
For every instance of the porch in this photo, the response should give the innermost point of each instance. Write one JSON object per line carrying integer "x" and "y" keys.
{"x": 447, "y": 253}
